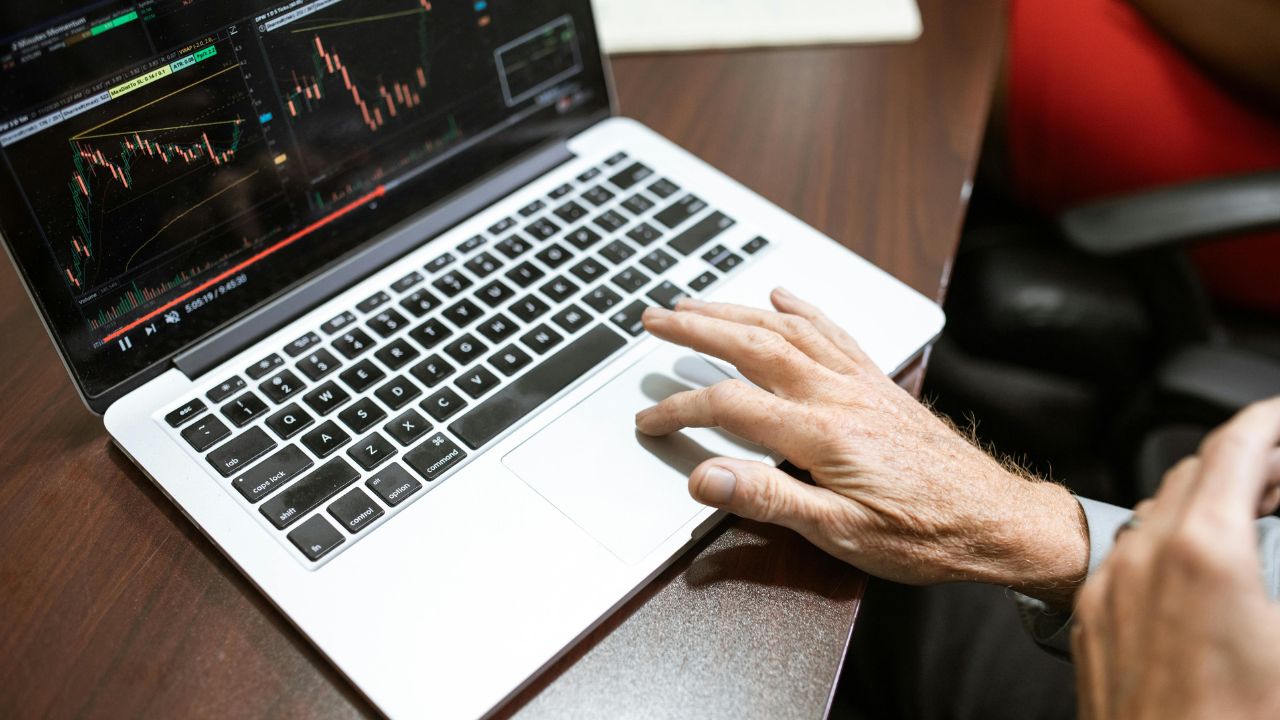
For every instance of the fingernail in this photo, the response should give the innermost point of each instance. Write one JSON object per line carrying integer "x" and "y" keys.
{"x": 717, "y": 486}
{"x": 640, "y": 416}
{"x": 655, "y": 313}
{"x": 689, "y": 303}
{"x": 783, "y": 292}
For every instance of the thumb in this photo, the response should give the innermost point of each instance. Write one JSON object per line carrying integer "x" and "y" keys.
{"x": 757, "y": 491}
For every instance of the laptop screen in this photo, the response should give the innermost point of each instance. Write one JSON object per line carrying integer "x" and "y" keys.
{"x": 168, "y": 165}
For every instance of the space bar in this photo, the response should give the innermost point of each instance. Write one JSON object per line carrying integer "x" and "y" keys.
{"x": 491, "y": 417}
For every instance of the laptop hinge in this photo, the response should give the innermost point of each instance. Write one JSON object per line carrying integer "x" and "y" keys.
{"x": 395, "y": 243}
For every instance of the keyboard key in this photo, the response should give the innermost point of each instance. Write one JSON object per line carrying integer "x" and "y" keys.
{"x": 289, "y": 421}
{"x": 361, "y": 376}
{"x": 393, "y": 485}
{"x": 628, "y": 318}
{"x": 497, "y": 328}
{"x": 588, "y": 270}
{"x": 483, "y": 265}
{"x": 638, "y": 204}
{"x": 463, "y": 313}
{"x": 397, "y": 393}
{"x": 513, "y": 247}
{"x": 432, "y": 371}
{"x": 430, "y": 333}
{"x": 601, "y": 299}
{"x": 755, "y": 245}
{"x": 541, "y": 339}
{"x": 396, "y": 354}
{"x": 525, "y": 274}
{"x": 244, "y": 409}
{"x": 722, "y": 258}
{"x": 476, "y": 381}
{"x": 186, "y": 412}
{"x": 434, "y": 457}
{"x": 407, "y": 282}
{"x": 362, "y": 415}
{"x": 561, "y": 191}
{"x": 542, "y": 229}
{"x": 502, "y": 226}
{"x": 510, "y": 360}
{"x": 515, "y": 401}
{"x": 529, "y": 308}
{"x": 667, "y": 295}
{"x": 318, "y": 364}
{"x": 281, "y": 387}
{"x": 259, "y": 370}
{"x": 659, "y": 261}
{"x": 439, "y": 263}
{"x": 531, "y": 208}
{"x": 471, "y": 244}
{"x": 571, "y": 212}
{"x": 206, "y": 433}
{"x": 225, "y": 389}
{"x": 630, "y": 280}
{"x": 680, "y": 210}
{"x": 452, "y": 283}
{"x": 273, "y": 472}
{"x": 335, "y": 324}
{"x": 326, "y": 438}
{"x": 316, "y": 538}
{"x": 301, "y": 345}
{"x": 633, "y": 174}
{"x": 442, "y": 404}
{"x": 610, "y": 221}
{"x": 387, "y": 323}
{"x": 617, "y": 252}
{"x": 373, "y": 302}
{"x": 355, "y": 511}
{"x": 615, "y": 158}
{"x": 702, "y": 282}
{"x": 664, "y": 188}
{"x": 583, "y": 238}
{"x": 588, "y": 175}
{"x": 371, "y": 451}
{"x": 465, "y": 349}
{"x": 419, "y": 303}
{"x": 407, "y": 427}
{"x": 326, "y": 398}
{"x": 643, "y": 234}
{"x": 240, "y": 451}
{"x": 305, "y": 495}
{"x": 554, "y": 256}
{"x": 572, "y": 319}
{"x": 597, "y": 196}
{"x": 688, "y": 242}
{"x": 560, "y": 289}
{"x": 495, "y": 293}
{"x": 353, "y": 342}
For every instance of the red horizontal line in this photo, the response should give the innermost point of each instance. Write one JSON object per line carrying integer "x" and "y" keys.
{"x": 377, "y": 192}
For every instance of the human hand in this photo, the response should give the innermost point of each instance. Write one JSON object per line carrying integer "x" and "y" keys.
{"x": 1176, "y": 622}
{"x": 897, "y": 492}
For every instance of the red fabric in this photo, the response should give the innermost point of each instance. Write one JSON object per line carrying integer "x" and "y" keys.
{"x": 1101, "y": 104}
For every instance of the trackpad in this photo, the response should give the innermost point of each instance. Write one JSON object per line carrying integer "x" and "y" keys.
{"x": 628, "y": 491}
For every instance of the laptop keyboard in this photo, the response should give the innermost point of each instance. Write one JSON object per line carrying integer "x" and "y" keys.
{"x": 349, "y": 422}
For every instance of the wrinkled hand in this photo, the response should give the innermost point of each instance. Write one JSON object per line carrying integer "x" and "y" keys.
{"x": 1176, "y": 622}
{"x": 897, "y": 492}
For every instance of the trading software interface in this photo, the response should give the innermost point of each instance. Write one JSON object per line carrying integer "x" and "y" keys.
{"x": 171, "y": 163}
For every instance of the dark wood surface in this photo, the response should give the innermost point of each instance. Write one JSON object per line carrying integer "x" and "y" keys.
{"x": 113, "y": 605}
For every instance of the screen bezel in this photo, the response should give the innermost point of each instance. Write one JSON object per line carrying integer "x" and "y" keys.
{"x": 510, "y": 147}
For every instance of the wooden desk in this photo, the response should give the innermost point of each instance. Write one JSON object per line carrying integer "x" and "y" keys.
{"x": 112, "y": 604}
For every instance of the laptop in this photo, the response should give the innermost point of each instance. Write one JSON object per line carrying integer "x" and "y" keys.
{"x": 358, "y": 285}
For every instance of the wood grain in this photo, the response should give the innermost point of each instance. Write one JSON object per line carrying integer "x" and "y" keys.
{"x": 113, "y": 605}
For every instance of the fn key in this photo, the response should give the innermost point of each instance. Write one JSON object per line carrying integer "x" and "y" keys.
{"x": 315, "y": 538}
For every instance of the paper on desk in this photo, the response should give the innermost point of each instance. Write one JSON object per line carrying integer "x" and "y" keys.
{"x": 664, "y": 25}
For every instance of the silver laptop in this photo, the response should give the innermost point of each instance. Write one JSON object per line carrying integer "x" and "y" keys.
{"x": 358, "y": 284}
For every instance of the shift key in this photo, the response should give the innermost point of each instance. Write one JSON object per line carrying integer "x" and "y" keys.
{"x": 305, "y": 495}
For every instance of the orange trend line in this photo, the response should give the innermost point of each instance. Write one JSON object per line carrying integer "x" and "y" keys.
{"x": 377, "y": 192}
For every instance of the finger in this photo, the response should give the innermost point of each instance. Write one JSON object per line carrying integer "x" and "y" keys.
{"x": 763, "y": 356}
{"x": 797, "y": 330}
{"x": 1089, "y": 642}
{"x": 786, "y": 302}
{"x": 1237, "y": 462}
{"x": 740, "y": 408}
{"x": 1271, "y": 496}
{"x": 757, "y": 491}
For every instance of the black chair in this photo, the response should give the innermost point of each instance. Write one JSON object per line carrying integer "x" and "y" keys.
{"x": 1087, "y": 347}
